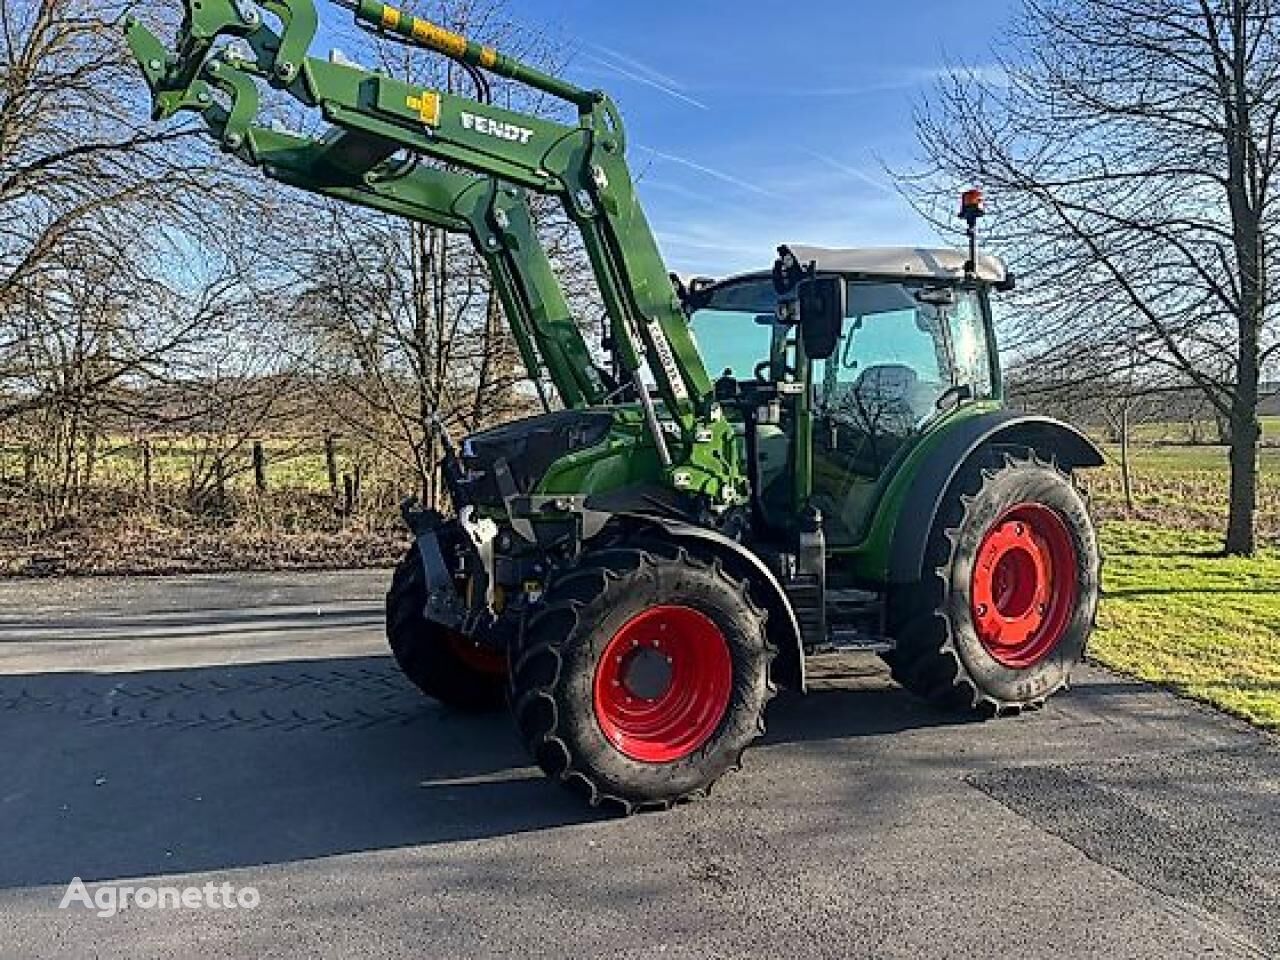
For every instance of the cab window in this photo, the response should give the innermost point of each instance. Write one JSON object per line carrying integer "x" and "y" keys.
{"x": 735, "y": 333}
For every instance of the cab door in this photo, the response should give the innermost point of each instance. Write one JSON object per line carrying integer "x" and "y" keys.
{"x": 896, "y": 359}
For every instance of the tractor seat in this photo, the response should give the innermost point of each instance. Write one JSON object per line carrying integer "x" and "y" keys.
{"x": 887, "y": 398}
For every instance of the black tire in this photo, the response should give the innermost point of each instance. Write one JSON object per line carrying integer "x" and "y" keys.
{"x": 428, "y": 653}
{"x": 585, "y": 611}
{"x": 940, "y": 655}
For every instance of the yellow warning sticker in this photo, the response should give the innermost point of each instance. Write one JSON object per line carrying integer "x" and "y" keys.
{"x": 428, "y": 107}
{"x": 438, "y": 38}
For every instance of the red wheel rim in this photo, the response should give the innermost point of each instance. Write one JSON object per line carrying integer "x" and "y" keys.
{"x": 478, "y": 658}
{"x": 1025, "y": 585}
{"x": 663, "y": 684}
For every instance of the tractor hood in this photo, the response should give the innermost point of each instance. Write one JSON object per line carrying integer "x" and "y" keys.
{"x": 527, "y": 449}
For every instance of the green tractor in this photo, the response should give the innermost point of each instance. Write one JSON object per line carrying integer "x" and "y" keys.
{"x": 808, "y": 459}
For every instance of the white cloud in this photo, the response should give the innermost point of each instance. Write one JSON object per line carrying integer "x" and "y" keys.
{"x": 712, "y": 172}
{"x": 648, "y": 81}
{"x": 853, "y": 172}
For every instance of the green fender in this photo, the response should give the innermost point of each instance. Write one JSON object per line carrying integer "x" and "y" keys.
{"x": 1052, "y": 439}
{"x": 784, "y": 629}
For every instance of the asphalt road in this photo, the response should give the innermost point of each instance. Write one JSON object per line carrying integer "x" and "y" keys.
{"x": 250, "y": 730}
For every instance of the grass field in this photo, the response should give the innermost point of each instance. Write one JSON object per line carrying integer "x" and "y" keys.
{"x": 291, "y": 464}
{"x": 1176, "y": 613}
{"x": 1184, "y": 487}
{"x": 1182, "y": 432}
{"x": 117, "y": 528}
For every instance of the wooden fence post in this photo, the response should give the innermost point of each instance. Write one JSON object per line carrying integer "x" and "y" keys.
{"x": 259, "y": 467}
{"x": 146, "y": 469}
{"x": 1126, "y": 472}
{"x": 348, "y": 495}
{"x": 331, "y": 463}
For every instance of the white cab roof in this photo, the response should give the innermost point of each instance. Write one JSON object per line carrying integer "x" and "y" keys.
{"x": 899, "y": 262}
{"x": 941, "y": 264}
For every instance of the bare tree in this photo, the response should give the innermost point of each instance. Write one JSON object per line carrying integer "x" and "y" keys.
{"x": 400, "y": 322}
{"x": 88, "y": 353}
{"x": 150, "y": 288}
{"x": 80, "y": 164}
{"x": 1131, "y": 147}
{"x": 119, "y": 266}
{"x": 400, "y": 329}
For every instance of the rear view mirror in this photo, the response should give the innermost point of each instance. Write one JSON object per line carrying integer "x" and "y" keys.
{"x": 937, "y": 296}
{"x": 822, "y": 303}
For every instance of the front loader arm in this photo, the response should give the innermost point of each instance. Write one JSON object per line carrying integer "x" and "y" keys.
{"x": 375, "y": 118}
{"x": 361, "y": 170}
{"x": 586, "y": 166}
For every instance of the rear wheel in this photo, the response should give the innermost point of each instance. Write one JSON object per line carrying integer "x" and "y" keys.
{"x": 442, "y": 663}
{"x": 643, "y": 677}
{"x": 1009, "y": 595}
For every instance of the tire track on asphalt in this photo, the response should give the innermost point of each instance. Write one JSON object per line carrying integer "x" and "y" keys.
{"x": 355, "y": 698}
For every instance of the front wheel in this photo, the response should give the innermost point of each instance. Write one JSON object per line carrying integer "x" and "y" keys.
{"x": 643, "y": 677}
{"x": 442, "y": 663}
{"x": 1007, "y": 602}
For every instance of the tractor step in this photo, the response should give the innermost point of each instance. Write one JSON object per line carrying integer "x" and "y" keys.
{"x": 847, "y": 640}
{"x": 852, "y": 621}
{"x": 805, "y": 593}
{"x": 843, "y": 605}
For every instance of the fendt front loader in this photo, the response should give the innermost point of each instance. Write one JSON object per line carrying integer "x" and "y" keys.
{"x": 636, "y": 570}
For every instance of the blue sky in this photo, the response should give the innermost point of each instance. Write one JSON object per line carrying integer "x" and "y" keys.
{"x": 754, "y": 123}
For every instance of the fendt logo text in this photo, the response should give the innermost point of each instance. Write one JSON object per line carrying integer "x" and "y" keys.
{"x": 496, "y": 128}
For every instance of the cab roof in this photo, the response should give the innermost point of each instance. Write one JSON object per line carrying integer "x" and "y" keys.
{"x": 896, "y": 263}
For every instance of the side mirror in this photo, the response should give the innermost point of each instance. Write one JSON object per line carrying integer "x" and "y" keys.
{"x": 822, "y": 303}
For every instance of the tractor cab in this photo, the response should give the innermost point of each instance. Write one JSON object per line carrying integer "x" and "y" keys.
{"x": 915, "y": 346}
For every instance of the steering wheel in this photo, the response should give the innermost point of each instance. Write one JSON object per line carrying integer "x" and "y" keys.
{"x": 763, "y": 368}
